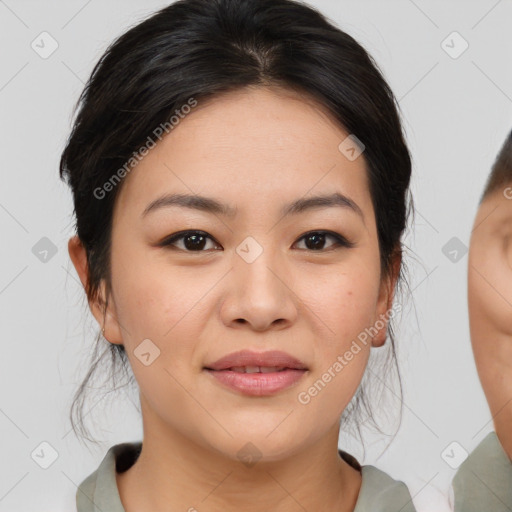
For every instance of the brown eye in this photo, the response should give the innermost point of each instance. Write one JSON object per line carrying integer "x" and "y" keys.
{"x": 315, "y": 240}
{"x": 193, "y": 241}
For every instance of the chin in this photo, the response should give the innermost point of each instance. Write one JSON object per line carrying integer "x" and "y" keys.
{"x": 251, "y": 447}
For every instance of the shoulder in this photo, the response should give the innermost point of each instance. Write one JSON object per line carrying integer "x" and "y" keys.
{"x": 382, "y": 493}
{"x": 484, "y": 480}
{"x": 379, "y": 492}
{"x": 99, "y": 489}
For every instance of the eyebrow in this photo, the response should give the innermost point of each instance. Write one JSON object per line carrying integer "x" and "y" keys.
{"x": 211, "y": 205}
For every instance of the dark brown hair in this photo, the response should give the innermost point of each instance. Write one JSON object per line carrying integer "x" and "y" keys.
{"x": 204, "y": 48}
{"x": 501, "y": 171}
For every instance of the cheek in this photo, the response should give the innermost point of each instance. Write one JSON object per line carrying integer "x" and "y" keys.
{"x": 344, "y": 310}
{"x": 161, "y": 325}
{"x": 345, "y": 306}
{"x": 160, "y": 303}
{"x": 490, "y": 285}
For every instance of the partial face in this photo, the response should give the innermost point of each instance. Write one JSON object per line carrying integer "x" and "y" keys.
{"x": 256, "y": 279}
{"x": 490, "y": 307}
{"x": 490, "y": 265}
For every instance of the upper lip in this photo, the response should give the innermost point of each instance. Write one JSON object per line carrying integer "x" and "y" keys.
{"x": 272, "y": 358}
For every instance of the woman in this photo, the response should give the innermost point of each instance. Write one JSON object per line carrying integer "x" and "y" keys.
{"x": 241, "y": 186}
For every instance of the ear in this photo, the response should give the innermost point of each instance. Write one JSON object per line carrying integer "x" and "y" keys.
{"x": 104, "y": 313}
{"x": 385, "y": 300}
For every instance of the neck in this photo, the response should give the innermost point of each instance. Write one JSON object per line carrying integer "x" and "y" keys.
{"x": 175, "y": 473}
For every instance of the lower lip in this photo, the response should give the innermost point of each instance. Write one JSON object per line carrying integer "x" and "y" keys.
{"x": 258, "y": 384}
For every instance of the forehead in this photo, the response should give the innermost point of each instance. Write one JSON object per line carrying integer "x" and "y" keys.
{"x": 494, "y": 215}
{"x": 249, "y": 146}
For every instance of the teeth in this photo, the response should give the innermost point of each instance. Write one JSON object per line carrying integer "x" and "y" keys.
{"x": 256, "y": 369}
{"x": 268, "y": 369}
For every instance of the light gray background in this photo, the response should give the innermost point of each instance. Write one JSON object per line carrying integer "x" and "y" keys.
{"x": 457, "y": 113}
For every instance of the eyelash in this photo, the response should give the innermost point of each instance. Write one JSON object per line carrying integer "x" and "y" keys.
{"x": 341, "y": 242}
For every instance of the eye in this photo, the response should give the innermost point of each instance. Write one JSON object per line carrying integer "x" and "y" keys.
{"x": 315, "y": 240}
{"x": 193, "y": 241}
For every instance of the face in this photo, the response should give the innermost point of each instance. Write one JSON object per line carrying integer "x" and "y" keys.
{"x": 490, "y": 265}
{"x": 256, "y": 280}
{"x": 490, "y": 305}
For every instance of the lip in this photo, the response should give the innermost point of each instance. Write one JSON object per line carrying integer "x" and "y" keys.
{"x": 257, "y": 384}
{"x": 248, "y": 358}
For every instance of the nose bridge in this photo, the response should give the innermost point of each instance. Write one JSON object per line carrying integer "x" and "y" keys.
{"x": 256, "y": 263}
{"x": 261, "y": 295}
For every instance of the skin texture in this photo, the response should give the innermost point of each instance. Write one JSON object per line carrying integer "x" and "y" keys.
{"x": 256, "y": 150}
{"x": 490, "y": 307}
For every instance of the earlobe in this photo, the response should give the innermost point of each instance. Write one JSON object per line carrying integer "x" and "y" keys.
{"x": 385, "y": 302}
{"x": 381, "y": 320}
{"x": 111, "y": 330}
{"x": 380, "y": 338}
{"x": 381, "y": 324}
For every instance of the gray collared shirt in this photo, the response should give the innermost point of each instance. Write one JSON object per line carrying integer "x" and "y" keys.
{"x": 483, "y": 481}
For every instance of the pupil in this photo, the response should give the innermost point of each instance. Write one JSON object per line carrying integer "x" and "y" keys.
{"x": 198, "y": 242}
{"x": 318, "y": 238}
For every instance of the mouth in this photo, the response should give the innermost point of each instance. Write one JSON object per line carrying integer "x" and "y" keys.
{"x": 257, "y": 373}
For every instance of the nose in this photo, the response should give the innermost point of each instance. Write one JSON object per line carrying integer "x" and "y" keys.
{"x": 259, "y": 295}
